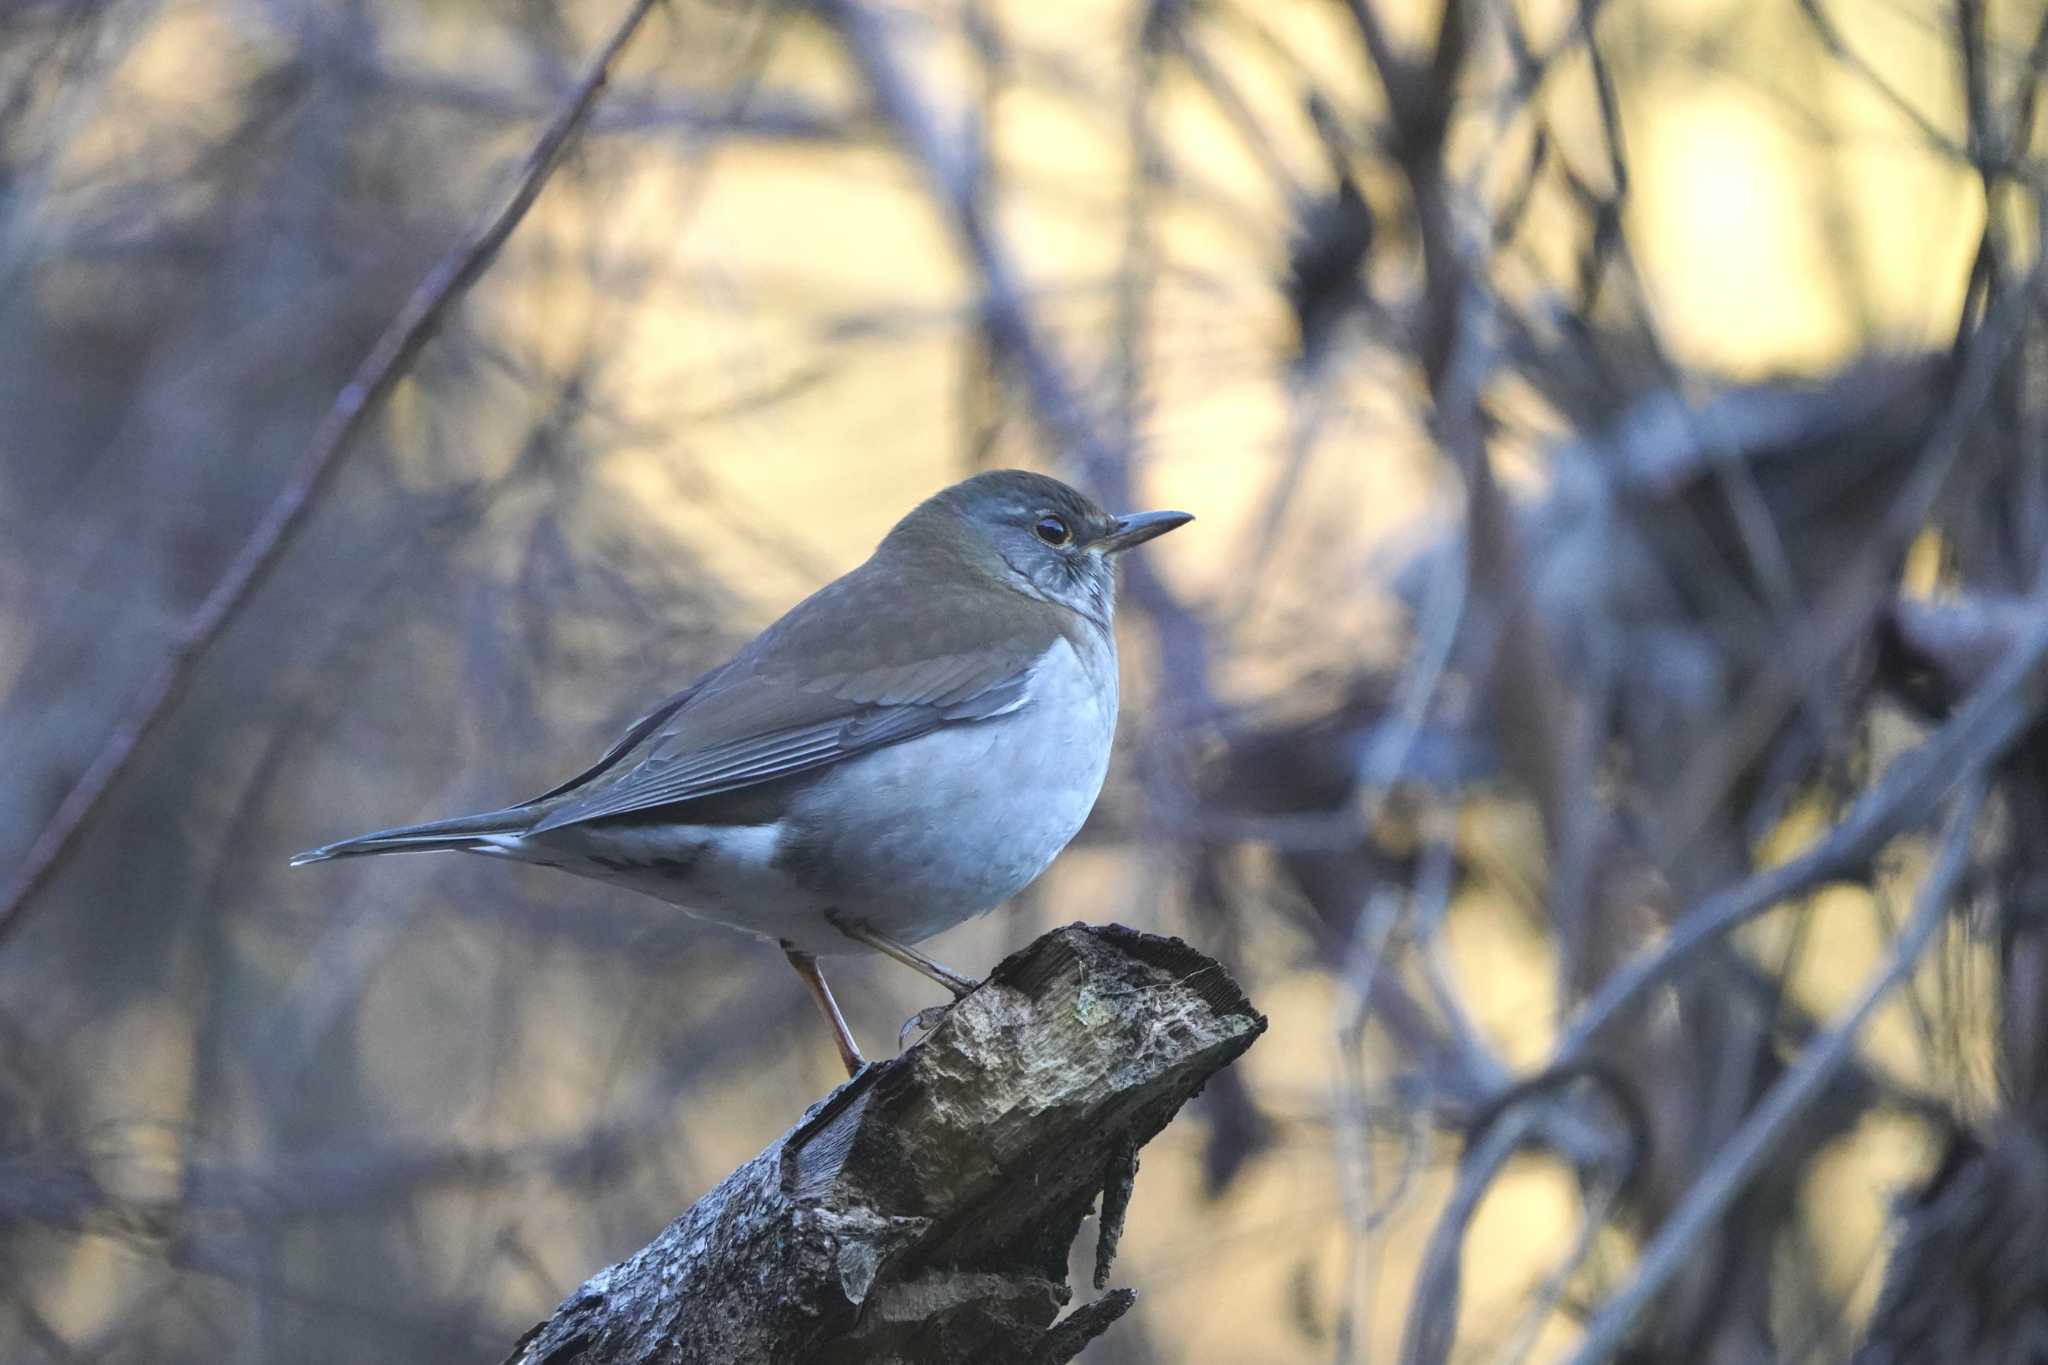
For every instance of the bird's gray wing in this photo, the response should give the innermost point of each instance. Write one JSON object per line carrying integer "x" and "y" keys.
{"x": 861, "y": 663}
{"x": 635, "y": 735}
{"x": 746, "y": 728}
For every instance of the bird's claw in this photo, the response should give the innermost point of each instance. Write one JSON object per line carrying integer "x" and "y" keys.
{"x": 924, "y": 1021}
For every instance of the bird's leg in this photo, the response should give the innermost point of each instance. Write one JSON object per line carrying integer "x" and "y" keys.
{"x": 807, "y": 968}
{"x": 905, "y": 954}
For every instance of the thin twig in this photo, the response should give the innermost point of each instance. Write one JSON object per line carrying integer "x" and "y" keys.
{"x": 1845, "y": 612}
{"x": 1516, "y": 1118}
{"x": 1353, "y": 1137}
{"x": 1017, "y": 335}
{"x": 1838, "y": 47}
{"x": 1549, "y": 1296}
{"x": 1709, "y": 1197}
{"x": 1978, "y": 733}
{"x": 380, "y": 370}
{"x": 1433, "y": 1317}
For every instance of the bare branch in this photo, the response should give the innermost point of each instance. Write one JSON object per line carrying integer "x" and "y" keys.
{"x": 1710, "y": 1195}
{"x": 1956, "y": 754}
{"x": 379, "y": 371}
{"x": 1017, "y": 334}
{"x": 924, "y": 1209}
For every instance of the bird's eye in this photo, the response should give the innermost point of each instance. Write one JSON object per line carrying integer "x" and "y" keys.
{"x": 1052, "y": 530}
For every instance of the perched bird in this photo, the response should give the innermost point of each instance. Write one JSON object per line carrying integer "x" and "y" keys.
{"x": 907, "y": 748}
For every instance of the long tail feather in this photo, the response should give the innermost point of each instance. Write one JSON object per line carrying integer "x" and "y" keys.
{"x": 464, "y": 831}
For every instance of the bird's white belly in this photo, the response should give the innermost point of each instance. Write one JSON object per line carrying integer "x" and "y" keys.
{"x": 917, "y": 837}
{"x": 910, "y": 839}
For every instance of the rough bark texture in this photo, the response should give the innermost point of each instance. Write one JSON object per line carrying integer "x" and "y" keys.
{"x": 923, "y": 1211}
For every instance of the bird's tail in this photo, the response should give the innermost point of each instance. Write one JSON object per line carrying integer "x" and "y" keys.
{"x": 487, "y": 832}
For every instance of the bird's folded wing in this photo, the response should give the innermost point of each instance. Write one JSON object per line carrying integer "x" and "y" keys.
{"x": 745, "y": 726}
{"x": 635, "y": 735}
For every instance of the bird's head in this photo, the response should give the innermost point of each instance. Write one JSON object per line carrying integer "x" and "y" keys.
{"x": 1030, "y": 533}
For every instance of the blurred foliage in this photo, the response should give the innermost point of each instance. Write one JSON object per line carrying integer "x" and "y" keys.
{"x": 1616, "y": 433}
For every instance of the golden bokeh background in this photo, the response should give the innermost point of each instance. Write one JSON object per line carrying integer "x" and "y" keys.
{"x": 734, "y": 340}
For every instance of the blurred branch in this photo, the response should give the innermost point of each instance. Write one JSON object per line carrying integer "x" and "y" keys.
{"x": 1740, "y": 1159}
{"x": 776, "y": 117}
{"x": 1421, "y": 96}
{"x": 379, "y": 372}
{"x": 1996, "y": 713}
{"x": 1959, "y": 639}
{"x": 1961, "y": 753}
{"x": 1858, "y": 594}
{"x": 1017, "y": 334}
{"x": 1832, "y": 39}
{"x": 924, "y": 1210}
{"x": 214, "y": 1201}
{"x": 1433, "y": 1317}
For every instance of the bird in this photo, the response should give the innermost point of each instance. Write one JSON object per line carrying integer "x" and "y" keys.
{"x": 905, "y": 749}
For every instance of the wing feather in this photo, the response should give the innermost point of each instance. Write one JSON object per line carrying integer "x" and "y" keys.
{"x": 859, "y": 713}
{"x": 809, "y": 691}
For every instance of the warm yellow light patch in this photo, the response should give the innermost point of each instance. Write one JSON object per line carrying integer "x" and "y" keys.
{"x": 1507, "y": 972}
{"x": 1849, "y": 1197}
{"x": 1720, "y": 218}
{"x": 1525, "y": 1226}
{"x": 1922, "y": 574}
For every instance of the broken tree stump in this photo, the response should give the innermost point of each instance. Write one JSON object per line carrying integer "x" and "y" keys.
{"x": 923, "y": 1211}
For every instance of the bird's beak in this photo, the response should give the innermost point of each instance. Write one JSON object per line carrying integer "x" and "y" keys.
{"x": 1138, "y": 527}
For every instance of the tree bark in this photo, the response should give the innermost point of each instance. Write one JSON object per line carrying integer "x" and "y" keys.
{"x": 923, "y": 1211}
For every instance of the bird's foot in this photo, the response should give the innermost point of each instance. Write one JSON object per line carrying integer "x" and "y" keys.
{"x": 923, "y": 1022}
